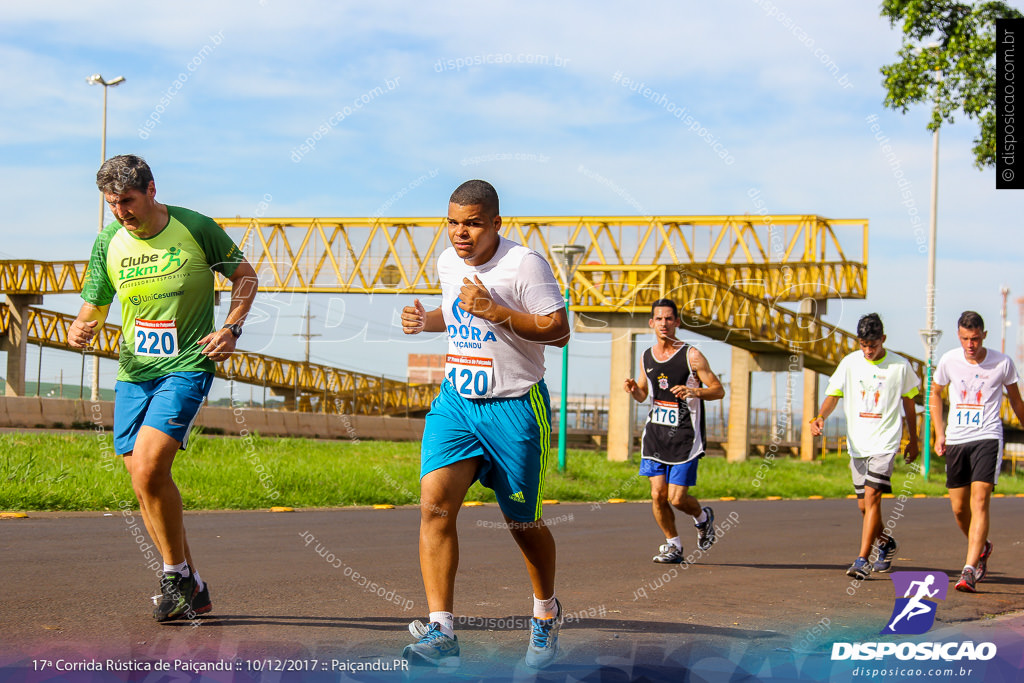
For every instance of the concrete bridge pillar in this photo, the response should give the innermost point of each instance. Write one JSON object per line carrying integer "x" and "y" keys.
{"x": 810, "y": 409}
{"x": 743, "y": 364}
{"x": 738, "y": 446}
{"x": 15, "y": 342}
{"x": 817, "y": 308}
{"x": 624, "y": 330}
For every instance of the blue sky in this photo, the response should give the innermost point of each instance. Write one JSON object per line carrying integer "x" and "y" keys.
{"x": 522, "y": 94}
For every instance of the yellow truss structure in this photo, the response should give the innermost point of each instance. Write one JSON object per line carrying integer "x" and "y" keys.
{"x": 730, "y": 272}
{"x": 369, "y": 255}
{"x": 337, "y": 391}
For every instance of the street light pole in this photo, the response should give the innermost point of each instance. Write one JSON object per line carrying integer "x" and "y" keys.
{"x": 930, "y": 335}
{"x": 97, "y": 79}
{"x": 568, "y": 257}
{"x": 1005, "y": 291}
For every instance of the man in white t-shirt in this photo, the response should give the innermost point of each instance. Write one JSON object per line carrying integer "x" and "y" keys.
{"x": 500, "y": 305}
{"x": 971, "y": 440}
{"x": 874, "y": 383}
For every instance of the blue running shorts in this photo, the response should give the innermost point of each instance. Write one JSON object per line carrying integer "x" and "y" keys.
{"x": 169, "y": 404}
{"x": 683, "y": 474}
{"x": 512, "y": 435}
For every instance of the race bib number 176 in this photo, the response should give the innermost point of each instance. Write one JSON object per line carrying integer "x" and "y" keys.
{"x": 665, "y": 413}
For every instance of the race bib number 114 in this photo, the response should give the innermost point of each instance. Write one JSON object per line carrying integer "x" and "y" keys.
{"x": 967, "y": 415}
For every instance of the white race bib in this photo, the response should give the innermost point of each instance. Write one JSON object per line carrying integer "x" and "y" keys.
{"x": 471, "y": 377}
{"x": 156, "y": 338}
{"x": 665, "y": 413}
{"x": 967, "y": 415}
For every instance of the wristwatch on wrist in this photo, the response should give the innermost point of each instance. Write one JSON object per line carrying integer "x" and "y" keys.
{"x": 235, "y": 328}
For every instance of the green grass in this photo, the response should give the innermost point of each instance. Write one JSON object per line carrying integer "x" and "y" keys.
{"x": 78, "y": 472}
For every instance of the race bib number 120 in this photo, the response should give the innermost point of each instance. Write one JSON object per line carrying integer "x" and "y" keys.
{"x": 156, "y": 338}
{"x": 470, "y": 377}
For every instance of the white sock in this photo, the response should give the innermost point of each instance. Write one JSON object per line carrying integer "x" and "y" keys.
{"x": 545, "y": 609}
{"x": 178, "y": 568}
{"x": 973, "y": 569}
{"x": 676, "y": 542}
{"x": 446, "y": 620}
{"x": 199, "y": 582}
{"x": 703, "y": 517}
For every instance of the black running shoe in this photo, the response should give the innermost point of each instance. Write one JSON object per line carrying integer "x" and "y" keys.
{"x": 201, "y": 603}
{"x": 706, "y": 531}
{"x": 982, "y": 569}
{"x": 176, "y": 596}
{"x": 966, "y": 582}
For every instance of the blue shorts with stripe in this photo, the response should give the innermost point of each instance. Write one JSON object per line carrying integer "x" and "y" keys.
{"x": 511, "y": 435}
{"x": 169, "y": 404}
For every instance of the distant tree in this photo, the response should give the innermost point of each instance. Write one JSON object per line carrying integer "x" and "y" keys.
{"x": 948, "y": 61}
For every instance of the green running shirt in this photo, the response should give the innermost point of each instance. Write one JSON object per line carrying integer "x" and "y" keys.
{"x": 165, "y": 285}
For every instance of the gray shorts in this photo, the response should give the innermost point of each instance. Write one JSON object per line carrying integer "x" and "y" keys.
{"x": 874, "y": 471}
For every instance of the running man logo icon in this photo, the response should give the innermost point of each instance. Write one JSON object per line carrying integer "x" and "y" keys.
{"x": 914, "y": 613}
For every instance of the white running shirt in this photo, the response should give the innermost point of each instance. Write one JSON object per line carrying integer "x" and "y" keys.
{"x": 871, "y": 392}
{"x": 975, "y": 394}
{"x": 485, "y": 360}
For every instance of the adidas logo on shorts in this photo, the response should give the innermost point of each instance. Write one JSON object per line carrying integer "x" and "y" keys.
{"x": 518, "y": 497}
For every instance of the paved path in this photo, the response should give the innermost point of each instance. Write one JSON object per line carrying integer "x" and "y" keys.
{"x": 772, "y": 592}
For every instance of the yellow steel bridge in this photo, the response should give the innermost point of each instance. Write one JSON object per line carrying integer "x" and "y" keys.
{"x": 730, "y": 274}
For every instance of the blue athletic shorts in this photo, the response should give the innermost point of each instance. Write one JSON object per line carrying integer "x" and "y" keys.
{"x": 683, "y": 474}
{"x": 512, "y": 435}
{"x": 169, "y": 403}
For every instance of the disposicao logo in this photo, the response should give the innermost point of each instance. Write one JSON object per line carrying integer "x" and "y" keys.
{"x": 914, "y": 612}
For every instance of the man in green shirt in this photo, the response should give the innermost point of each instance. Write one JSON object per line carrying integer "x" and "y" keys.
{"x": 158, "y": 260}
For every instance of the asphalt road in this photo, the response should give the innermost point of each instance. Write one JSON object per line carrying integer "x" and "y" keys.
{"x": 337, "y": 588}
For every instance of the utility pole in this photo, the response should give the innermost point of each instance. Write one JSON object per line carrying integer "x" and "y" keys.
{"x": 307, "y": 335}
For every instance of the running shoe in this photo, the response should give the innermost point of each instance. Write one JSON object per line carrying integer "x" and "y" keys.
{"x": 706, "y": 531}
{"x": 176, "y": 596}
{"x": 669, "y": 554}
{"x": 418, "y": 629}
{"x": 201, "y": 603}
{"x": 433, "y": 648}
{"x": 859, "y": 569}
{"x": 982, "y": 570}
{"x": 967, "y": 581}
{"x": 543, "y": 646}
{"x": 886, "y": 554}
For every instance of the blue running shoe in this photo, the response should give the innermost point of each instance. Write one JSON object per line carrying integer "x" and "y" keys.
{"x": 544, "y": 640}
{"x": 886, "y": 554}
{"x": 434, "y": 648}
{"x": 860, "y": 569}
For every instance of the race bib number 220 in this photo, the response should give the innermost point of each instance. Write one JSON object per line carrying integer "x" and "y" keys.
{"x": 156, "y": 338}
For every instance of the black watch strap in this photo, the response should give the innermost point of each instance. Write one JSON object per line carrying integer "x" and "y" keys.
{"x": 235, "y": 328}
